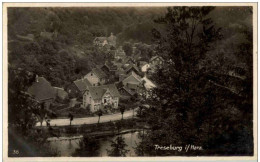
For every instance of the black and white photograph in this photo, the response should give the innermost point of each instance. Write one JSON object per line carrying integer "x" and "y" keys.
{"x": 131, "y": 81}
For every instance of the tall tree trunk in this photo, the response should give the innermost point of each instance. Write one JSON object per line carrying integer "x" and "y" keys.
{"x": 122, "y": 115}
{"x": 98, "y": 119}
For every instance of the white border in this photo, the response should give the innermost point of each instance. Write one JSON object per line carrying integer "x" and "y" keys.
{"x": 125, "y": 5}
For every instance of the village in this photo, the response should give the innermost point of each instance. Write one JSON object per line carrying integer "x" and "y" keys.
{"x": 116, "y": 87}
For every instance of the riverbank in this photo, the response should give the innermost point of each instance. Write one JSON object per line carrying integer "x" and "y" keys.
{"x": 96, "y": 130}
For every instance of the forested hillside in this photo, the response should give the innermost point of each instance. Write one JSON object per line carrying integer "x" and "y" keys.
{"x": 62, "y": 37}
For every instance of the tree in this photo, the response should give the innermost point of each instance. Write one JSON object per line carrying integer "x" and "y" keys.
{"x": 22, "y": 107}
{"x": 99, "y": 113}
{"x": 23, "y": 111}
{"x": 88, "y": 147}
{"x": 118, "y": 147}
{"x": 190, "y": 104}
{"x": 127, "y": 47}
{"x": 42, "y": 112}
{"x": 70, "y": 116}
{"x": 122, "y": 110}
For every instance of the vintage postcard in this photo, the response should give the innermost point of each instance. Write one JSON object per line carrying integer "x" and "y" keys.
{"x": 130, "y": 81}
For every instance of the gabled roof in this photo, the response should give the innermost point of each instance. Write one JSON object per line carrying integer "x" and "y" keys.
{"x": 133, "y": 74}
{"x": 82, "y": 84}
{"x": 99, "y": 73}
{"x": 118, "y": 65}
{"x": 111, "y": 38}
{"x": 42, "y": 90}
{"x": 131, "y": 67}
{"x": 101, "y": 39}
{"x": 128, "y": 59}
{"x": 155, "y": 57}
{"x": 110, "y": 66}
{"x": 98, "y": 91}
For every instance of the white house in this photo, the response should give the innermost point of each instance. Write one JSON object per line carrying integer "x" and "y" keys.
{"x": 99, "y": 97}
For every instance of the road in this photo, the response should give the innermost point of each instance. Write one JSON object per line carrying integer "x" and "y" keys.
{"x": 89, "y": 120}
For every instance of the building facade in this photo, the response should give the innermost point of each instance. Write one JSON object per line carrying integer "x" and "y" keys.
{"x": 101, "y": 96}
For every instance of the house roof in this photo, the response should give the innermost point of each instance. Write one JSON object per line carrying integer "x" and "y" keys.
{"x": 132, "y": 73}
{"x": 111, "y": 66}
{"x": 155, "y": 57}
{"x": 132, "y": 85}
{"x": 42, "y": 90}
{"x": 60, "y": 92}
{"x": 128, "y": 59}
{"x": 128, "y": 90}
{"x": 97, "y": 92}
{"x": 111, "y": 38}
{"x": 118, "y": 65}
{"x": 99, "y": 73}
{"x": 101, "y": 39}
{"x": 82, "y": 84}
{"x": 131, "y": 67}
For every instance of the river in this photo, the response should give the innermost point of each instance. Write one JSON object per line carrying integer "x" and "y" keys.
{"x": 68, "y": 147}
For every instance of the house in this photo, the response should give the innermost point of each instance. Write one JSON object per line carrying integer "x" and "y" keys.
{"x": 133, "y": 82}
{"x": 128, "y": 61}
{"x": 120, "y": 53}
{"x": 104, "y": 41}
{"x": 156, "y": 60}
{"x": 109, "y": 68}
{"x": 112, "y": 40}
{"x": 60, "y": 93}
{"x": 132, "y": 67}
{"x": 42, "y": 91}
{"x": 99, "y": 97}
{"x": 96, "y": 77}
{"x": 78, "y": 87}
{"x": 100, "y": 41}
